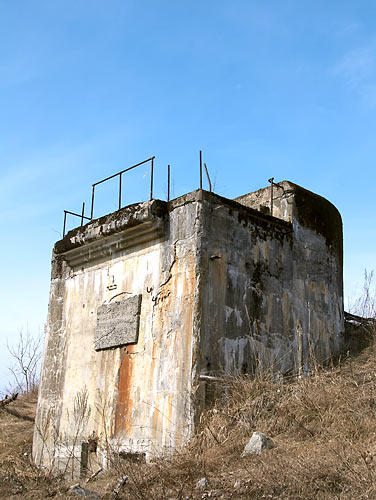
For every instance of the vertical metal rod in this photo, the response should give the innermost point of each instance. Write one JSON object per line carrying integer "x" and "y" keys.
{"x": 271, "y": 194}
{"x": 200, "y": 169}
{"x": 151, "y": 178}
{"x": 168, "y": 182}
{"x": 207, "y": 175}
{"x": 271, "y": 199}
{"x": 120, "y": 191}
{"x": 65, "y": 219}
{"x": 83, "y": 213}
{"x": 92, "y": 203}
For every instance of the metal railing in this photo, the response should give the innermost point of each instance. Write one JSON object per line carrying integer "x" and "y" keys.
{"x": 120, "y": 179}
{"x": 82, "y": 216}
{"x": 120, "y": 174}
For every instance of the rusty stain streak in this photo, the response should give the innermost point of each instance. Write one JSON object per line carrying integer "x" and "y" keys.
{"x": 125, "y": 404}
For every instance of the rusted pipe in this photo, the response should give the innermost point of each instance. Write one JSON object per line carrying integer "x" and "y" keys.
{"x": 92, "y": 203}
{"x": 65, "y": 220}
{"x": 83, "y": 214}
{"x": 168, "y": 182}
{"x": 271, "y": 194}
{"x": 207, "y": 175}
{"x": 120, "y": 191}
{"x": 151, "y": 178}
{"x": 200, "y": 169}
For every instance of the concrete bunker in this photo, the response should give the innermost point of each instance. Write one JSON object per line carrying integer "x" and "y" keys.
{"x": 149, "y": 302}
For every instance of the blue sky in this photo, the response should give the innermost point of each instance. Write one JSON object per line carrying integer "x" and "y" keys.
{"x": 279, "y": 88}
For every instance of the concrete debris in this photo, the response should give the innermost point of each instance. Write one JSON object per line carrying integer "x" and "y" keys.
{"x": 118, "y": 487}
{"x": 257, "y": 444}
{"x": 94, "y": 475}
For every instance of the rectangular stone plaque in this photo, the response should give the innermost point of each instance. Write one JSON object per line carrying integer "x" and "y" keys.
{"x": 118, "y": 323}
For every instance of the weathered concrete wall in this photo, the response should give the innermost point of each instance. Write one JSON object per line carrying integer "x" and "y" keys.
{"x": 273, "y": 296}
{"x": 149, "y": 299}
{"x": 247, "y": 298}
{"x": 139, "y": 395}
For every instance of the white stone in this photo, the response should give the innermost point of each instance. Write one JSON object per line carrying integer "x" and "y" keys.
{"x": 202, "y": 484}
{"x": 238, "y": 484}
{"x": 257, "y": 444}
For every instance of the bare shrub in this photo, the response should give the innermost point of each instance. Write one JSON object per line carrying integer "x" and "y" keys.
{"x": 365, "y": 305}
{"x": 77, "y": 421}
{"x": 26, "y": 354}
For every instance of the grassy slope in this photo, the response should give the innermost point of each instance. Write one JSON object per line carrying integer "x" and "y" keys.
{"x": 324, "y": 428}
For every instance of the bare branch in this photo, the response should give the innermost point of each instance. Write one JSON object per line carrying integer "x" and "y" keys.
{"x": 26, "y": 353}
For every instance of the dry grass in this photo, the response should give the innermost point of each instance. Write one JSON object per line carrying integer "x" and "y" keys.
{"x": 323, "y": 427}
{"x": 18, "y": 477}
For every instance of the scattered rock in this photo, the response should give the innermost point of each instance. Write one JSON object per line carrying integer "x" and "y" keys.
{"x": 238, "y": 484}
{"x": 257, "y": 444}
{"x": 16, "y": 487}
{"x": 78, "y": 490}
{"x": 202, "y": 484}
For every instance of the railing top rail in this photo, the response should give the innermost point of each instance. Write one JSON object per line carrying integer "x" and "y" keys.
{"x": 119, "y": 174}
{"x": 77, "y": 215}
{"x": 122, "y": 171}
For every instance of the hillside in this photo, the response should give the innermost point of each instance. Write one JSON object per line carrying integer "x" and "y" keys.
{"x": 323, "y": 427}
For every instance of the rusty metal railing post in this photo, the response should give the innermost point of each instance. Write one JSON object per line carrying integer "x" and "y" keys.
{"x": 271, "y": 180}
{"x": 151, "y": 178}
{"x": 120, "y": 190}
{"x": 168, "y": 182}
{"x": 200, "y": 169}
{"x": 92, "y": 203}
{"x": 207, "y": 175}
{"x": 65, "y": 220}
{"x": 120, "y": 182}
{"x": 83, "y": 214}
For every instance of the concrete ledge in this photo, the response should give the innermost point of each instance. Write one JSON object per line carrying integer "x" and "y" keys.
{"x": 152, "y": 215}
{"x": 153, "y": 211}
{"x": 107, "y": 246}
{"x": 244, "y": 211}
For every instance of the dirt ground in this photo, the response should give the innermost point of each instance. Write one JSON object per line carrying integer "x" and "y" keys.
{"x": 322, "y": 425}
